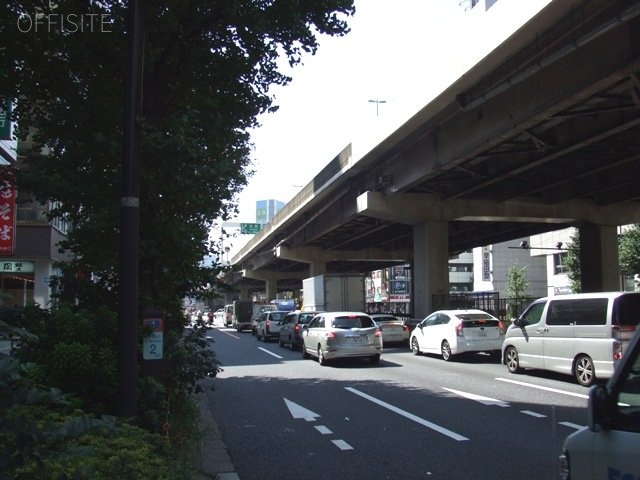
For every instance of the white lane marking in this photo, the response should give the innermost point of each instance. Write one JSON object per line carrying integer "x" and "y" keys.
{"x": 539, "y": 387}
{"x": 571, "y": 425}
{"x": 298, "y": 411}
{"x": 270, "y": 353}
{"x": 323, "y": 430}
{"x": 479, "y": 398}
{"x": 342, "y": 445}
{"x": 229, "y": 334}
{"x": 408, "y": 415}
{"x": 533, "y": 414}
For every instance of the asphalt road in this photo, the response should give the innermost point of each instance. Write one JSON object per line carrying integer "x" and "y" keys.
{"x": 409, "y": 417}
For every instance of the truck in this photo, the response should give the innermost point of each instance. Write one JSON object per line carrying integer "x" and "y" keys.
{"x": 333, "y": 293}
{"x": 241, "y": 314}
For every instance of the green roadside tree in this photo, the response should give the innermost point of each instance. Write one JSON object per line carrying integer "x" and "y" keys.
{"x": 629, "y": 248}
{"x": 572, "y": 263}
{"x": 517, "y": 286}
{"x": 208, "y": 68}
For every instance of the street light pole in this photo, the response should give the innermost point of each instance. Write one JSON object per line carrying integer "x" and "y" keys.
{"x": 126, "y": 397}
{"x": 377, "y": 102}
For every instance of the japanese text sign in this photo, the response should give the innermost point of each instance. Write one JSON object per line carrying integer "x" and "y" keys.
{"x": 7, "y": 217}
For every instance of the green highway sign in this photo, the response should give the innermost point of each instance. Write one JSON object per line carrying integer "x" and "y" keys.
{"x": 250, "y": 228}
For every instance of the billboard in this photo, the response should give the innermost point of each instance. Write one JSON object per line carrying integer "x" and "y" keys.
{"x": 7, "y": 217}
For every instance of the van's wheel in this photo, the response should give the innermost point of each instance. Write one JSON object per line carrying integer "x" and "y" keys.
{"x": 291, "y": 345}
{"x": 374, "y": 359}
{"x": 445, "y": 350}
{"x": 512, "y": 361}
{"x": 584, "y": 371}
{"x": 280, "y": 342}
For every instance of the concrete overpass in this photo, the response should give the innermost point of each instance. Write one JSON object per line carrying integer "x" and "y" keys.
{"x": 542, "y": 134}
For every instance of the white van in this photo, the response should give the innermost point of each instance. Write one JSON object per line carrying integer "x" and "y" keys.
{"x": 608, "y": 447}
{"x": 581, "y": 334}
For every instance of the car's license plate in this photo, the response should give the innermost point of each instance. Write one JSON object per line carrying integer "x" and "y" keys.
{"x": 356, "y": 340}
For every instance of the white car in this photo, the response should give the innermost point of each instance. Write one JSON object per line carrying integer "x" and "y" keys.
{"x": 451, "y": 332}
{"x": 393, "y": 329}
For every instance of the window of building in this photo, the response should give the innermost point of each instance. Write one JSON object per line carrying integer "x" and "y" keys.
{"x": 558, "y": 263}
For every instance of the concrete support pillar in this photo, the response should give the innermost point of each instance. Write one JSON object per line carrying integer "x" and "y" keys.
{"x": 599, "y": 262}
{"x": 271, "y": 289}
{"x": 430, "y": 265}
{"x": 317, "y": 268}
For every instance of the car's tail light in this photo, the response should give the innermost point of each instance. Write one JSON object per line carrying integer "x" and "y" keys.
{"x": 330, "y": 336}
{"x": 502, "y": 328}
{"x": 617, "y": 350}
{"x": 459, "y": 332}
{"x": 267, "y": 324}
{"x": 405, "y": 328}
{"x": 378, "y": 333}
{"x": 296, "y": 329}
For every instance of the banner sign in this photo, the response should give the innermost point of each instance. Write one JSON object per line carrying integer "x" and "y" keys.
{"x": 17, "y": 267}
{"x": 7, "y": 217}
{"x": 5, "y": 120}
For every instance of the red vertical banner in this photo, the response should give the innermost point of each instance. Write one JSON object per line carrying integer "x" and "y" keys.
{"x": 7, "y": 217}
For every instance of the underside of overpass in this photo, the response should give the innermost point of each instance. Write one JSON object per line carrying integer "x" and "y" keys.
{"x": 542, "y": 134}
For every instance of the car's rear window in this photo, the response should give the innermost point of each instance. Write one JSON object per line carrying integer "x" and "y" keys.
{"x": 305, "y": 318}
{"x": 388, "y": 318}
{"x": 277, "y": 316}
{"x": 355, "y": 321}
{"x": 628, "y": 310}
{"x": 477, "y": 320}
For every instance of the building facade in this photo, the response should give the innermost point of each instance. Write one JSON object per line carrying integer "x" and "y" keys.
{"x": 267, "y": 209}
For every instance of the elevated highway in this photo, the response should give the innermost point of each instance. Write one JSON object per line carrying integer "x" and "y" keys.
{"x": 542, "y": 134}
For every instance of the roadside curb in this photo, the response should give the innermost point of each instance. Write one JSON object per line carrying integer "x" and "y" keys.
{"x": 213, "y": 460}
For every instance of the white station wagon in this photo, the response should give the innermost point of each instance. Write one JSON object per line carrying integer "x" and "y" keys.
{"x": 451, "y": 332}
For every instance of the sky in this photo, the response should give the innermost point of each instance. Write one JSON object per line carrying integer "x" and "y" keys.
{"x": 402, "y": 52}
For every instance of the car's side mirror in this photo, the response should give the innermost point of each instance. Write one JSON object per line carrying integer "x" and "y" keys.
{"x": 517, "y": 322}
{"x": 599, "y": 414}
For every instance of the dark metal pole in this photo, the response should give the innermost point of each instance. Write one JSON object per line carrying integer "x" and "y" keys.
{"x": 130, "y": 221}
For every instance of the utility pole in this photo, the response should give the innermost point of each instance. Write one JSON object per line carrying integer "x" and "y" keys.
{"x": 126, "y": 397}
{"x": 377, "y": 102}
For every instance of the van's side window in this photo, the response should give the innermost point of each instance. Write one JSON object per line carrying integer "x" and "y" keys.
{"x": 586, "y": 311}
{"x": 532, "y": 315}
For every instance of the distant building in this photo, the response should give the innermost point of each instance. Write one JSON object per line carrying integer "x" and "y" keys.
{"x": 267, "y": 209}
{"x": 492, "y": 264}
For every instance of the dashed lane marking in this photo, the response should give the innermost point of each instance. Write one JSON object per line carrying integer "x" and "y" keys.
{"x": 270, "y": 353}
{"x": 540, "y": 387}
{"x": 479, "y": 398}
{"x": 571, "y": 425}
{"x": 323, "y": 430}
{"x": 533, "y": 414}
{"x": 342, "y": 445}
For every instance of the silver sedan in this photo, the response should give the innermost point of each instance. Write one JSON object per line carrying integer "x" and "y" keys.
{"x": 334, "y": 335}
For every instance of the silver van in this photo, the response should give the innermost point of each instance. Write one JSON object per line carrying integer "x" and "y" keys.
{"x": 609, "y": 446}
{"x": 583, "y": 335}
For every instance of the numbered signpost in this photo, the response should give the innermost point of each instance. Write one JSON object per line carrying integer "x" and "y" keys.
{"x": 152, "y": 343}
